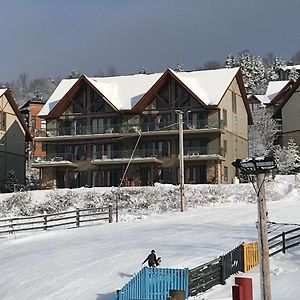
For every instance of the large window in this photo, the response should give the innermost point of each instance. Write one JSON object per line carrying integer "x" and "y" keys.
{"x": 97, "y": 103}
{"x": 160, "y": 149}
{"x": 101, "y": 151}
{"x": 103, "y": 125}
{"x": 80, "y": 152}
{"x": 79, "y": 102}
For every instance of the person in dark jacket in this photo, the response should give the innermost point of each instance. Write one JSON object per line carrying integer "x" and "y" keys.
{"x": 152, "y": 260}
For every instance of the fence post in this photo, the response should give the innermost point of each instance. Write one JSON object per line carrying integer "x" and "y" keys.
{"x": 11, "y": 226}
{"x": 283, "y": 242}
{"x": 77, "y": 217}
{"x": 45, "y": 220}
{"x": 222, "y": 261}
{"x": 110, "y": 218}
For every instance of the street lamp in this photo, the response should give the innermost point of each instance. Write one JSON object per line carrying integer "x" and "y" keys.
{"x": 259, "y": 166}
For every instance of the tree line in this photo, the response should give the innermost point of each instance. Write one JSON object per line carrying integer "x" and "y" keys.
{"x": 257, "y": 72}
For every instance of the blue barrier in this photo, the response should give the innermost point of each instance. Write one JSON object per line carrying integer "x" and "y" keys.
{"x": 154, "y": 283}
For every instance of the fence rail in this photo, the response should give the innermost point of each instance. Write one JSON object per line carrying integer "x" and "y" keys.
{"x": 216, "y": 271}
{"x": 284, "y": 241}
{"x": 46, "y": 221}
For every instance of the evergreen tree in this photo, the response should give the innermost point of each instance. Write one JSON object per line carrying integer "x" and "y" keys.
{"x": 287, "y": 158}
{"x": 273, "y": 70}
{"x": 231, "y": 62}
{"x": 10, "y": 181}
{"x": 254, "y": 74}
{"x": 293, "y": 74}
{"x": 179, "y": 67}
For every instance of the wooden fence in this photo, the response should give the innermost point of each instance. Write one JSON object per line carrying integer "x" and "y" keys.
{"x": 216, "y": 271}
{"x": 45, "y": 221}
{"x": 251, "y": 257}
{"x": 154, "y": 283}
{"x": 284, "y": 240}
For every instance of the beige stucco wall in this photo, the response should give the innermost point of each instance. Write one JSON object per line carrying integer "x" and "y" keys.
{"x": 291, "y": 119}
{"x": 236, "y": 131}
{"x": 12, "y": 145}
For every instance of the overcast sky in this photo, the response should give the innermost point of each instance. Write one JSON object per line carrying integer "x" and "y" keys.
{"x": 54, "y": 37}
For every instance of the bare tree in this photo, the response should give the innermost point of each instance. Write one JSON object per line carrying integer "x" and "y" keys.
{"x": 296, "y": 58}
{"x": 212, "y": 65}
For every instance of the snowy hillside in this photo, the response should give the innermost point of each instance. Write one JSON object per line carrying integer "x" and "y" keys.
{"x": 93, "y": 261}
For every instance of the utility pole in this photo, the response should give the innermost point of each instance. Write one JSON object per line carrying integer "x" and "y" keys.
{"x": 265, "y": 285}
{"x": 181, "y": 161}
{"x": 260, "y": 166}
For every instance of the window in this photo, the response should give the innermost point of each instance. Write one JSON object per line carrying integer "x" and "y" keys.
{"x": 164, "y": 149}
{"x": 165, "y": 175}
{"x": 226, "y": 173}
{"x": 43, "y": 124}
{"x": 234, "y": 108}
{"x": 80, "y": 152}
{"x": 33, "y": 122}
{"x": 225, "y": 146}
{"x": 2, "y": 120}
{"x": 225, "y": 117}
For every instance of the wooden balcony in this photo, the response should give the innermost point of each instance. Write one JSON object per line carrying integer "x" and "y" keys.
{"x": 118, "y": 130}
{"x": 121, "y": 157}
{"x": 203, "y": 153}
{"x": 56, "y": 160}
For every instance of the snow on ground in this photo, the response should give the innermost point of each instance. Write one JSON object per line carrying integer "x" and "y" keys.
{"x": 91, "y": 262}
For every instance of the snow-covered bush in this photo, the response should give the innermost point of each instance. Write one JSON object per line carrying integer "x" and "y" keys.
{"x": 138, "y": 201}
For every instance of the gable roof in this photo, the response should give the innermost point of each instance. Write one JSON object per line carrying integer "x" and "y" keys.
{"x": 275, "y": 90}
{"x": 15, "y": 108}
{"x": 208, "y": 85}
{"x": 292, "y": 88}
{"x": 122, "y": 92}
{"x": 128, "y": 92}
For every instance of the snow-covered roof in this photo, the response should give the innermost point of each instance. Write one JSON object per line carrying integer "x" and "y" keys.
{"x": 2, "y": 91}
{"x": 274, "y": 87}
{"x": 297, "y": 67}
{"x": 60, "y": 91}
{"x": 124, "y": 92}
{"x": 208, "y": 85}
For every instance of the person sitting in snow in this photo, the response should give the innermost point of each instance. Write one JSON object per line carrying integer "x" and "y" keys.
{"x": 152, "y": 260}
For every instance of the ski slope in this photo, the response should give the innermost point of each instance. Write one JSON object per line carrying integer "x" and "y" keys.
{"x": 91, "y": 262}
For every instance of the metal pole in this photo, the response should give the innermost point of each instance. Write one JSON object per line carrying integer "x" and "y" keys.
{"x": 265, "y": 285}
{"x": 124, "y": 174}
{"x": 181, "y": 161}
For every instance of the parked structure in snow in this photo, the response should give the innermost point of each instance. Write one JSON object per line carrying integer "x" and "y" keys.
{"x": 13, "y": 136}
{"x": 94, "y": 123}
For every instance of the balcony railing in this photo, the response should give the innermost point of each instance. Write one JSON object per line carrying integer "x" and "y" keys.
{"x": 203, "y": 150}
{"x": 139, "y": 153}
{"x": 125, "y": 128}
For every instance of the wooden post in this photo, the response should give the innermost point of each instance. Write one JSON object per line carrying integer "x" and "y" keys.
{"x": 110, "y": 217}
{"x": 223, "y": 279}
{"x": 283, "y": 242}
{"x": 45, "y": 220}
{"x": 11, "y": 226}
{"x": 263, "y": 240}
{"x": 77, "y": 217}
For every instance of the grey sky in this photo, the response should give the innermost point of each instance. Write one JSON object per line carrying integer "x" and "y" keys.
{"x": 53, "y": 37}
